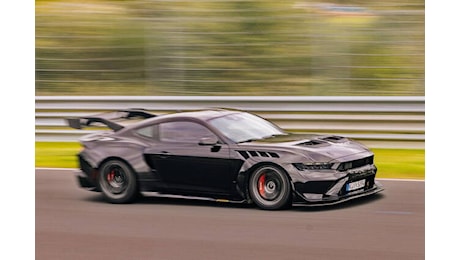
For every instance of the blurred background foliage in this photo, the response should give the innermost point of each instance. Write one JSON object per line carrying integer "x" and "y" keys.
{"x": 217, "y": 47}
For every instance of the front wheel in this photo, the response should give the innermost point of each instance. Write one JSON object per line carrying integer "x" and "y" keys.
{"x": 270, "y": 188}
{"x": 118, "y": 182}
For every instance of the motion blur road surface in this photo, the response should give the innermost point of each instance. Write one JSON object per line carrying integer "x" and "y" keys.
{"x": 71, "y": 223}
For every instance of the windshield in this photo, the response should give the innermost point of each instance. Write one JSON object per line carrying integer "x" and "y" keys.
{"x": 244, "y": 127}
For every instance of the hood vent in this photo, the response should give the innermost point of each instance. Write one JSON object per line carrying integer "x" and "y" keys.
{"x": 334, "y": 139}
{"x": 315, "y": 142}
{"x": 247, "y": 154}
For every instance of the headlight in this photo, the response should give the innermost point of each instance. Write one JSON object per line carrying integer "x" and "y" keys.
{"x": 312, "y": 166}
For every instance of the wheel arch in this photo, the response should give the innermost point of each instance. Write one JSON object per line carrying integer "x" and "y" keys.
{"x": 244, "y": 176}
{"x": 134, "y": 193}
{"x": 119, "y": 159}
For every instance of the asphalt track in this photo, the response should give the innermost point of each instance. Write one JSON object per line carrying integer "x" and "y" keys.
{"x": 71, "y": 223}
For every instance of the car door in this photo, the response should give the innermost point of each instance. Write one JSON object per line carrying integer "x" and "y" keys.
{"x": 189, "y": 157}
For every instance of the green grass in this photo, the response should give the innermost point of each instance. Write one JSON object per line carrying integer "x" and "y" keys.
{"x": 400, "y": 163}
{"x": 391, "y": 163}
{"x": 56, "y": 155}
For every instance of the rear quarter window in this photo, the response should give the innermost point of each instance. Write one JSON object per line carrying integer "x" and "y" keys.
{"x": 150, "y": 132}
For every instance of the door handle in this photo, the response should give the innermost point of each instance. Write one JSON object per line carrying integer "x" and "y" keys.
{"x": 164, "y": 154}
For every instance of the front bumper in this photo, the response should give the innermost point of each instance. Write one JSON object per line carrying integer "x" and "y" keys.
{"x": 336, "y": 187}
{"x": 324, "y": 200}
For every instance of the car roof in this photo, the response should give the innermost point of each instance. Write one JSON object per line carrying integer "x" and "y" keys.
{"x": 204, "y": 115}
{"x": 201, "y": 115}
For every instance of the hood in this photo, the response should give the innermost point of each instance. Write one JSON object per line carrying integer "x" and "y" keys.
{"x": 322, "y": 148}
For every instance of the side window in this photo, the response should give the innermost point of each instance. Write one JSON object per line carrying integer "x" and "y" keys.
{"x": 183, "y": 132}
{"x": 149, "y": 131}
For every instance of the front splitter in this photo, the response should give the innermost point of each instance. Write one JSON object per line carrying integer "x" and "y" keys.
{"x": 377, "y": 188}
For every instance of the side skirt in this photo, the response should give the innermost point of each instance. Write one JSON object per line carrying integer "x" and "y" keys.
{"x": 173, "y": 196}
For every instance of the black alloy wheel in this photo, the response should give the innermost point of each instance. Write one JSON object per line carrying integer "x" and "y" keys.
{"x": 270, "y": 188}
{"x": 118, "y": 182}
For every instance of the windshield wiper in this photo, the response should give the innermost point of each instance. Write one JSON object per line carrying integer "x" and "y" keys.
{"x": 249, "y": 140}
{"x": 260, "y": 138}
{"x": 273, "y": 135}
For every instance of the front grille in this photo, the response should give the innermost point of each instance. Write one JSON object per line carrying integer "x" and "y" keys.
{"x": 318, "y": 187}
{"x": 356, "y": 163}
{"x": 361, "y": 175}
{"x": 370, "y": 181}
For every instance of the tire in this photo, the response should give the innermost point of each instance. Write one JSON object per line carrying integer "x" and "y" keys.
{"x": 118, "y": 182}
{"x": 270, "y": 188}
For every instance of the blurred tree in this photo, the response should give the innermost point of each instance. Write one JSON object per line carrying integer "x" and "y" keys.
{"x": 229, "y": 47}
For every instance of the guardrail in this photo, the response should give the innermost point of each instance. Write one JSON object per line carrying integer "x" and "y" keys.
{"x": 384, "y": 122}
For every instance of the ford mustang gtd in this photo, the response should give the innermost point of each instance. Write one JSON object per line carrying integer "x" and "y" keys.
{"x": 220, "y": 154}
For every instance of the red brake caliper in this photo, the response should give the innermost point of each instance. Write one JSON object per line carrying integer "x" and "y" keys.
{"x": 111, "y": 175}
{"x": 261, "y": 185}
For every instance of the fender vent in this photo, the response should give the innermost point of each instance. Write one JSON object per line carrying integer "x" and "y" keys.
{"x": 247, "y": 154}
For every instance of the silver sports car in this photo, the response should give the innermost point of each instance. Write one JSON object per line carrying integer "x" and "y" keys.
{"x": 220, "y": 154}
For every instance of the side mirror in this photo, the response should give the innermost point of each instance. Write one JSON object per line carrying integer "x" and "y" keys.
{"x": 208, "y": 141}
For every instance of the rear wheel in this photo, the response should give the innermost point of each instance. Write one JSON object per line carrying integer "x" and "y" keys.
{"x": 118, "y": 182}
{"x": 270, "y": 188}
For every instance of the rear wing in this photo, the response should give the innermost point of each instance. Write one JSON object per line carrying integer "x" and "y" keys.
{"x": 109, "y": 119}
